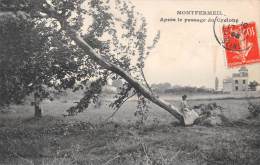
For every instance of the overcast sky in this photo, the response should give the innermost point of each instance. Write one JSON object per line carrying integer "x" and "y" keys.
{"x": 188, "y": 54}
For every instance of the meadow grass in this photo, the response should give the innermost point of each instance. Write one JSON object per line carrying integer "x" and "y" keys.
{"x": 86, "y": 139}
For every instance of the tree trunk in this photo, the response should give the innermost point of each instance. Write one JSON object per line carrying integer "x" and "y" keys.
{"x": 37, "y": 108}
{"x": 184, "y": 119}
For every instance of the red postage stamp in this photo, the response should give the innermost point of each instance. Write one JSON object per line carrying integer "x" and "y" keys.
{"x": 241, "y": 44}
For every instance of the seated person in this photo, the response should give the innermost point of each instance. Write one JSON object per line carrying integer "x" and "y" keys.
{"x": 189, "y": 115}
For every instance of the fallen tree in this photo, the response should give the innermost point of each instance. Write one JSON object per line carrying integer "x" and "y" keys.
{"x": 67, "y": 17}
{"x": 116, "y": 69}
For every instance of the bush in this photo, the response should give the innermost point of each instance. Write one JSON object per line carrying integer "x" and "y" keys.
{"x": 254, "y": 109}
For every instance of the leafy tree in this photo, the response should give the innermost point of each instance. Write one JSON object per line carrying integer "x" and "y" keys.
{"x": 110, "y": 43}
{"x": 35, "y": 58}
{"x": 22, "y": 63}
{"x": 252, "y": 85}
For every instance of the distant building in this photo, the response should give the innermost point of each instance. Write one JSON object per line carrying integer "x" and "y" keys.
{"x": 216, "y": 84}
{"x": 228, "y": 85}
{"x": 117, "y": 83}
{"x": 238, "y": 81}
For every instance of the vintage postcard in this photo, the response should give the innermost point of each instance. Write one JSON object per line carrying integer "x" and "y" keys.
{"x": 129, "y": 82}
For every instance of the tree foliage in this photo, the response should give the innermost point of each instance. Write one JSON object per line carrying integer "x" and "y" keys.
{"x": 252, "y": 85}
{"x": 20, "y": 48}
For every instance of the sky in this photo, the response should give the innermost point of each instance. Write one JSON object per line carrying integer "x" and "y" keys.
{"x": 188, "y": 53}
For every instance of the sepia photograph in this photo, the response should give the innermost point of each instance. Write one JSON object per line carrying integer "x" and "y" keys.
{"x": 129, "y": 82}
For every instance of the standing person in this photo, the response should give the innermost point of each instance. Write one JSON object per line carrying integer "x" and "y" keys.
{"x": 184, "y": 104}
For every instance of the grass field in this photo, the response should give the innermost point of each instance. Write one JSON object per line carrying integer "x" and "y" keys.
{"x": 86, "y": 139}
